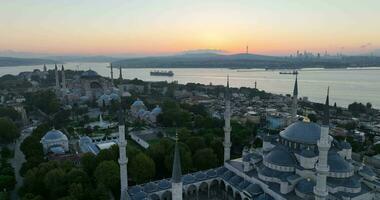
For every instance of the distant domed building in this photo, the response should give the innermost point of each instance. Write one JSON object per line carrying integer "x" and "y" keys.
{"x": 88, "y": 86}
{"x": 54, "y": 141}
{"x": 140, "y": 111}
{"x": 137, "y": 106}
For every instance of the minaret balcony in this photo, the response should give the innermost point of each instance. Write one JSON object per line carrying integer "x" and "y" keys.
{"x": 227, "y": 144}
{"x": 123, "y": 161}
{"x": 322, "y": 169}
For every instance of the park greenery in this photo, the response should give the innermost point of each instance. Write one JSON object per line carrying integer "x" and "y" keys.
{"x": 8, "y": 131}
{"x": 7, "y": 175}
{"x": 97, "y": 177}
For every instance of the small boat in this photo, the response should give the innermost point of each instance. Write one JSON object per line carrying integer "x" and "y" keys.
{"x": 161, "y": 73}
{"x": 294, "y": 72}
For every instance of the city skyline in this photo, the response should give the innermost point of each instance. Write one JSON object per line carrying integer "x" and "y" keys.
{"x": 166, "y": 27}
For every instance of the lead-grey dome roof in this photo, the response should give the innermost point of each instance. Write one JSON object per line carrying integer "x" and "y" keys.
{"x": 279, "y": 155}
{"x": 54, "y": 135}
{"x": 305, "y": 186}
{"x": 89, "y": 74}
{"x": 337, "y": 163}
{"x": 302, "y": 132}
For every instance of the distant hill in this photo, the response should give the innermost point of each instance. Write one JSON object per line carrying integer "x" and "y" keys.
{"x": 214, "y": 60}
{"x": 83, "y": 58}
{"x": 10, "y": 61}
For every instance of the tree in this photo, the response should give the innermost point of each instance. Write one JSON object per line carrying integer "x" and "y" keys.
{"x": 312, "y": 117}
{"x": 195, "y": 143}
{"x": 185, "y": 154}
{"x": 8, "y": 131}
{"x": 107, "y": 173}
{"x": 7, "y": 182}
{"x": 10, "y": 113}
{"x": 77, "y": 176}
{"x": 43, "y": 100}
{"x": 142, "y": 174}
{"x": 55, "y": 182}
{"x": 88, "y": 162}
{"x": 369, "y": 106}
{"x": 205, "y": 159}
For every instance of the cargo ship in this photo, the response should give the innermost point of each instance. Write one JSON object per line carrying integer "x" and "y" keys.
{"x": 161, "y": 73}
{"x": 291, "y": 72}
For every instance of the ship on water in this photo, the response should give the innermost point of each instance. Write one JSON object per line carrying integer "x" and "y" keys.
{"x": 161, "y": 73}
{"x": 294, "y": 72}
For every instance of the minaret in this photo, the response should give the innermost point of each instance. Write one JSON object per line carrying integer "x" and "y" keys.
{"x": 324, "y": 144}
{"x": 227, "y": 123}
{"x": 123, "y": 160}
{"x": 63, "y": 78}
{"x": 45, "y": 68}
{"x": 121, "y": 74}
{"x": 56, "y": 78}
{"x": 111, "y": 74}
{"x": 176, "y": 174}
{"x": 295, "y": 101}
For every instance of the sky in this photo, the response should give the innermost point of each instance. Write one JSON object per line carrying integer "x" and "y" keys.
{"x": 107, "y": 27}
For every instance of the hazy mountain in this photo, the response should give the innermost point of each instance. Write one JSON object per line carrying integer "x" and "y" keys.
{"x": 213, "y": 60}
{"x": 84, "y": 58}
{"x": 9, "y": 61}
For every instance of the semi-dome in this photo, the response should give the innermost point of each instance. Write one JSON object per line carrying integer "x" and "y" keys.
{"x": 157, "y": 110}
{"x": 188, "y": 179}
{"x": 302, "y": 132}
{"x": 280, "y": 156}
{"x": 138, "y": 102}
{"x": 337, "y": 163}
{"x": 305, "y": 186}
{"x": 308, "y": 153}
{"x": 54, "y": 135}
{"x": 150, "y": 187}
{"x": 164, "y": 184}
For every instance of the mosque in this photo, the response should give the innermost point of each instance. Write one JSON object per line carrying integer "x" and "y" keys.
{"x": 88, "y": 86}
{"x": 54, "y": 141}
{"x": 141, "y": 112}
{"x": 302, "y": 162}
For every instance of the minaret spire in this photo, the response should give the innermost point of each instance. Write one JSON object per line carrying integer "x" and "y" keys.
{"x": 63, "y": 78}
{"x": 295, "y": 100}
{"x": 326, "y": 118}
{"x": 324, "y": 144}
{"x": 56, "y": 78}
{"x": 123, "y": 160}
{"x": 120, "y": 74}
{"x": 227, "y": 123}
{"x": 177, "y": 173}
{"x": 111, "y": 73}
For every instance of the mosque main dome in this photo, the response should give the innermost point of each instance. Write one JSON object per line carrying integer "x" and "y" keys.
{"x": 54, "y": 135}
{"x": 302, "y": 132}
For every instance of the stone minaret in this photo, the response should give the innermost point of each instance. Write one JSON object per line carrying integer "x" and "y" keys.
{"x": 295, "y": 101}
{"x": 121, "y": 74}
{"x": 123, "y": 160}
{"x": 63, "y": 78}
{"x": 324, "y": 144}
{"x": 176, "y": 174}
{"x": 227, "y": 124}
{"x": 111, "y": 73}
{"x": 56, "y": 78}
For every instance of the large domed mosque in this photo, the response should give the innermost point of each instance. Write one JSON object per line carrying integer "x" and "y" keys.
{"x": 302, "y": 162}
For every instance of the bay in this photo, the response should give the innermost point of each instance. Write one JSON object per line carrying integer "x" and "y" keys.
{"x": 346, "y": 85}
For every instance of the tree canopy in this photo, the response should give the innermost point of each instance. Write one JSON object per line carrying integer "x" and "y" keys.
{"x": 8, "y": 131}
